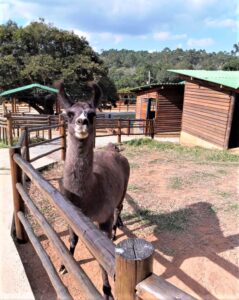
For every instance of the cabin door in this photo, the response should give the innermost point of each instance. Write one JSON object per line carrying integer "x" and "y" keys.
{"x": 151, "y": 107}
{"x": 234, "y": 135}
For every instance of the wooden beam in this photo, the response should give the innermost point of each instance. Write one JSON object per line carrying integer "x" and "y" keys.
{"x": 156, "y": 288}
{"x": 229, "y": 122}
{"x": 134, "y": 263}
{"x": 61, "y": 290}
{"x": 67, "y": 259}
{"x": 95, "y": 240}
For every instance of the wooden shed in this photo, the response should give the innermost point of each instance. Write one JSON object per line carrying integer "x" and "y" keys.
{"x": 162, "y": 102}
{"x": 211, "y": 108}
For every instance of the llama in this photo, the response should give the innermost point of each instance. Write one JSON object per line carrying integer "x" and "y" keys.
{"x": 96, "y": 182}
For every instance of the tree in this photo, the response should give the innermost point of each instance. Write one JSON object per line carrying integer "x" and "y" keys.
{"x": 42, "y": 53}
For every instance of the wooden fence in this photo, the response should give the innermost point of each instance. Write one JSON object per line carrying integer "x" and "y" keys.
{"x": 129, "y": 263}
{"x": 119, "y": 127}
{"x": 12, "y": 124}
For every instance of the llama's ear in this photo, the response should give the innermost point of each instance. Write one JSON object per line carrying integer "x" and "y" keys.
{"x": 65, "y": 101}
{"x": 97, "y": 93}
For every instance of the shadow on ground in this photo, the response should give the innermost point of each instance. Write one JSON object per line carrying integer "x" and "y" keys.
{"x": 183, "y": 234}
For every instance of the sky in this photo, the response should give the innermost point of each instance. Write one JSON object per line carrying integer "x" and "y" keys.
{"x": 149, "y": 25}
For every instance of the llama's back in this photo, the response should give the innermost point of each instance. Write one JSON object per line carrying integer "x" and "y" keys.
{"x": 113, "y": 168}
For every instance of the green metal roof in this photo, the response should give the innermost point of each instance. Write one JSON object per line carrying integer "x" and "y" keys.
{"x": 155, "y": 85}
{"x": 29, "y": 86}
{"x": 225, "y": 78}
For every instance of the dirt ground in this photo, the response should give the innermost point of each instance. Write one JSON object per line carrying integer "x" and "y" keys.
{"x": 184, "y": 203}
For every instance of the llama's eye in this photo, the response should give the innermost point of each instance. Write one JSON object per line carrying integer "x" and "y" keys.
{"x": 91, "y": 116}
{"x": 70, "y": 115}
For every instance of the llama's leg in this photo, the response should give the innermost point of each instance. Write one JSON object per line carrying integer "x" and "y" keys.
{"x": 107, "y": 229}
{"x": 73, "y": 242}
{"x": 117, "y": 220}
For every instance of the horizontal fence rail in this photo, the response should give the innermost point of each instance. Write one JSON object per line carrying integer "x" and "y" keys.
{"x": 129, "y": 263}
{"x": 67, "y": 259}
{"x": 98, "y": 244}
{"x": 61, "y": 290}
{"x": 11, "y": 125}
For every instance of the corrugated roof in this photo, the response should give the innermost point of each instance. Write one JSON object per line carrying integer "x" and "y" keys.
{"x": 29, "y": 86}
{"x": 225, "y": 78}
{"x": 155, "y": 85}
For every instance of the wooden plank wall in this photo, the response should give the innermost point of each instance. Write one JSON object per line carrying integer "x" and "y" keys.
{"x": 169, "y": 109}
{"x": 141, "y": 106}
{"x": 205, "y": 112}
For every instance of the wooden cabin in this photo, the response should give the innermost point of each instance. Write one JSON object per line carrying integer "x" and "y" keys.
{"x": 162, "y": 102}
{"x": 211, "y": 108}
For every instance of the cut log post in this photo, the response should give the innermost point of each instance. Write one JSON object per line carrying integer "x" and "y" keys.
{"x": 9, "y": 129}
{"x": 49, "y": 130}
{"x": 134, "y": 263}
{"x": 63, "y": 140}
{"x": 18, "y": 204}
{"x": 119, "y": 131}
{"x": 128, "y": 127}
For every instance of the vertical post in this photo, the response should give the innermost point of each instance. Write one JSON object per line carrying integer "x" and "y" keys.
{"x": 94, "y": 130}
{"x": 146, "y": 127}
{"x": 63, "y": 140}
{"x": 17, "y": 200}
{"x": 12, "y": 100}
{"x": 49, "y": 130}
{"x": 119, "y": 131}
{"x": 133, "y": 263}
{"x": 128, "y": 127}
{"x": 26, "y": 143}
{"x": 152, "y": 128}
{"x": 9, "y": 129}
{"x": 229, "y": 122}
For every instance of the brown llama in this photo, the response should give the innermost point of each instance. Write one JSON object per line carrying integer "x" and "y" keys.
{"x": 96, "y": 182}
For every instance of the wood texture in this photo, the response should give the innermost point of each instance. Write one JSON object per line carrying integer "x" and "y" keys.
{"x": 67, "y": 259}
{"x": 229, "y": 123}
{"x": 18, "y": 204}
{"x": 155, "y": 287}
{"x": 61, "y": 291}
{"x": 134, "y": 261}
{"x": 94, "y": 239}
{"x": 206, "y": 113}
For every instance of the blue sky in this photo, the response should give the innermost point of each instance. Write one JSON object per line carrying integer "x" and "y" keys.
{"x": 150, "y": 25}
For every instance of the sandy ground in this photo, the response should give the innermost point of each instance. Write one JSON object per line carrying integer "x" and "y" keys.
{"x": 188, "y": 209}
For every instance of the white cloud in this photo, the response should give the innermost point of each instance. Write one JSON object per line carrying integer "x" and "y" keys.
{"x": 108, "y": 36}
{"x": 204, "y": 42}
{"x": 165, "y": 36}
{"x": 82, "y": 33}
{"x": 221, "y": 23}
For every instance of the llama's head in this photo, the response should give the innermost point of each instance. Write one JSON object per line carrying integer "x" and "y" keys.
{"x": 80, "y": 115}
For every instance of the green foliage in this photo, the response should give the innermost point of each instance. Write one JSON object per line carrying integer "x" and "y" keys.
{"x": 43, "y": 53}
{"x": 128, "y": 68}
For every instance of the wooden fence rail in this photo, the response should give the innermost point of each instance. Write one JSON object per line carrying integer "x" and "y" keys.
{"x": 129, "y": 263}
{"x": 11, "y": 126}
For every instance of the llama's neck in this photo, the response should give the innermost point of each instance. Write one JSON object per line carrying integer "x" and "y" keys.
{"x": 78, "y": 165}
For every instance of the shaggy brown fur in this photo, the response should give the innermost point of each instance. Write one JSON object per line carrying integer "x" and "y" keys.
{"x": 94, "y": 182}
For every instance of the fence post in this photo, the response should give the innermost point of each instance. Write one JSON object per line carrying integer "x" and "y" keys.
{"x": 26, "y": 144}
{"x": 119, "y": 131}
{"x": 152, "y": 128}
{"x": 49, "y": 130}
{"x": 133, "y": 263}
{"x": 18, "y": 204}
{"x": 9, "y": 129}
{"x": 63, "y": 139}
{"x": 146, "y": 127}
{"x": 128, "y": 127}
{"x": 94, "y": 129}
